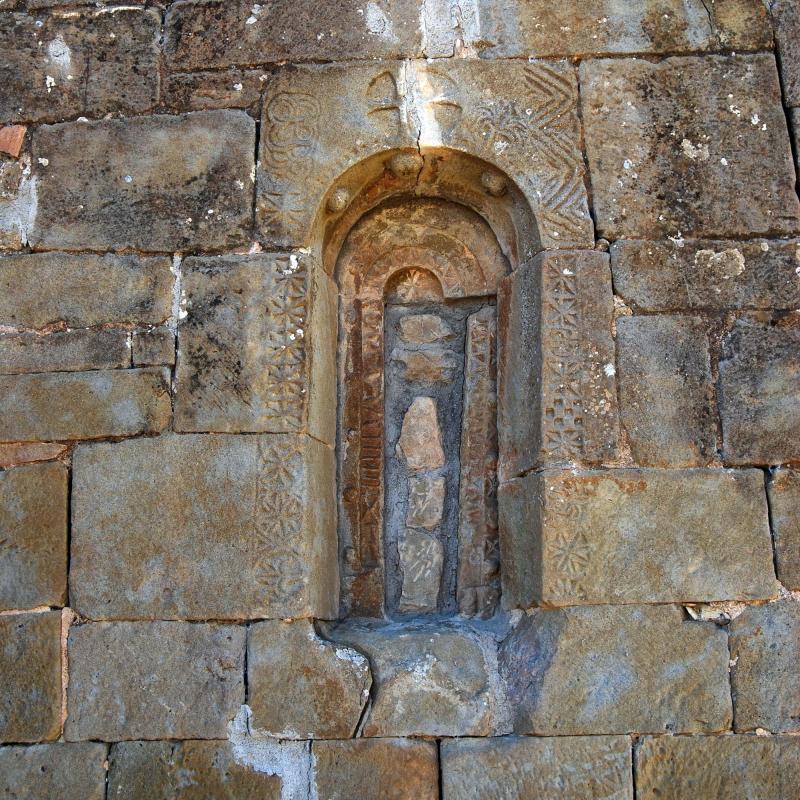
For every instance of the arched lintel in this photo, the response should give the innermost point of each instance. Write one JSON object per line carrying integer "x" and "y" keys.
{"x": 441, "y": 173}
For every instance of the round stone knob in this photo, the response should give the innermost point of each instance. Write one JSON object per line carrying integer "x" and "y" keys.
{"x": 339, "y": 200}
{"x": 403, "y": 165}
{"x": 494, "y": 183}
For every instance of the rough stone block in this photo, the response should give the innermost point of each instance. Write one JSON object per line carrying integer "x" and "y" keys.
{"x": 635, "y": 536}
{"x": 556, "y": 389}
{"x": 33, "y": 536}
{"x": 233, "y": 527}
{"x": 693, "y": 147}
{"x": 189, "y": 770}
{"x": 198, "y": 91}
{"x": 402, "y": 769}
{"x": 783, "y": 491}
{"x": 513, "y": 768}
{"x": 540, "y": 28}
{"x": 317, "y": 122}
{"x": 666, "y": 391}
{"x": 30, "y": 663}
{"x": 786, "y": 20}
{"x": 84, "y": 405}
{"x": 44, "y": 771}
{"x": 80, "y": 62}
{"x": 300, "y": 686}
{"x": 759, "y": 393}
{"x": 707, "y": 274}
{"x": 83, "y": 290}
{"x": 145, "y": 183}
{"x": 616, "y": 669}
{"x": 257, "y": 347}
{"x": 712, "y": 767}
{"x": 222, "y": 33}
{"x": 64, "y": 351}
{"x": 765, "y": 652}
{"x": 428, "y": 679}
{"x": 154, "y": 347}
{"x": 153, "y": 680}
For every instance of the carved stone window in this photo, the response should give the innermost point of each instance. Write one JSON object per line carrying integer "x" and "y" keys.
{"x": 417, "y": 419}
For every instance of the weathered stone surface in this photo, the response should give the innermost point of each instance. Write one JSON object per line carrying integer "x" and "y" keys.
{"x": 22, "y": 453}
{"x": 257, "y": 346}
{"x": 512, "y": 768}
{"x": 434, "y": 364}
{"x": 424, "y": 329}
{"x": 33, "y": 536}
{"x": 786, "y": 19}
{"x": 616, "y": 669}
{"x": 17, "y": 203}
{"x": 233, "y": 527}
{"x": 759, "y": 393}
{"x": 300, "y": 686}
{"x": 708, "y": 768}
{"x": 421, "y": 560}
{"x": 85, "y": 62}
{"x": 63, "y": 351}
{"x": 30, "y": 663}
{"x": 635, "y": 536}
{"x": 783, "y": 491}
{"x": 220, "y": 34}
{"x": 83, "y": 290}
{"x": 511, "y": 114}
{"x": 63, "y": 771}
{"x": 420, "y": 442}
{"x": 84, "y": 405}
{"x": 154, "y": 680}
{"x": 192, "y": 770}
{"x": 693, "y": 147}
{"x": 707, "y": 274}
{"x": 400, "y": 769}
{"x": 154, "y": 347}
{"x": 765, "y": 652}
{"x": 198, "y": 91}
{"x": 557, "y": 396}
{"x": 541, "y": 28}
{"x": 146, "y": 183}
{"x": 434, "y": 679}
{"x": 425, "y": 501}
{"x": 666, "y": 391}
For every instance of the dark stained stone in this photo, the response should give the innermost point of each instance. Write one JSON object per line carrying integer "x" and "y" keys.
{"x": 30, "y": 663}
{"x": 198, "y": 91}
{"x": 63, "y": 351}
{"x": 786, "y": 19}
{"x": 33, "y": 536}
{"x": 170, "y": 680}
{"x": 784, "y": 503}
{"x": 153, "y": 347}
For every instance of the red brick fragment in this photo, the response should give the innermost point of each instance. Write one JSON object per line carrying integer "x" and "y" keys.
{"x": 11, "y": 138}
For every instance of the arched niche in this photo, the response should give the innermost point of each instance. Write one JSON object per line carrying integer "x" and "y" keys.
{"x": 417, "y": 421}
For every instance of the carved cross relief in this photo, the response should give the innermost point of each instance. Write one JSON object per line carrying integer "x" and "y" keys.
{"x": 417, "y": 429}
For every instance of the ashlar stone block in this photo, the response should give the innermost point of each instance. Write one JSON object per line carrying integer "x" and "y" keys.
{"x": 666, "y": 390}
{"x": 153, "y": 347}
{"x": 86, "y": 62}
{"x": 635, "y": 536}
{"x": 301, "y": 686}
{"x": 153, "y": 680}
{"x": 513, "y": 768}
{"x": 692, "y": 147}
{"x": 786, "y": 21}
{"x": 403, "y": 769}
{"x": 783, "y": 491}
{"x": 199, "y": 91}
{"x": 759, "y": 392}
{"x": 556, "y": 392}
{"x": 702, "y": 274}
{"x": 434, "y": 679}
{"x": 616, "y": 669}
{"x": 234, "y": 527}
{"x": 83, "y": 290}
{"x": 72, "y": 771}
{"x": 84, "y": 405}
{"x": 190, "y": 770}
{"x": 157, "y": 183}
{"x": 540, "y": 28}
{"x": 710, "y": 767}
{"x": 765, "y": 651}
{"x": 257, "y": 347}
{"x": 30, "y": 663}
{"x": 33, "y": 536}
{"x": 63, "y": 351}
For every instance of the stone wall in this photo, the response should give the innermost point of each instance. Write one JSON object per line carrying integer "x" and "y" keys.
{"x": 178, "y": 182}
